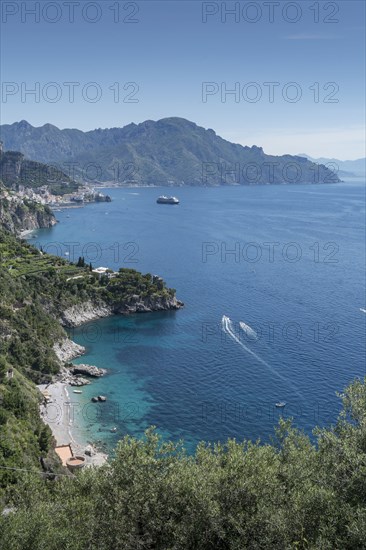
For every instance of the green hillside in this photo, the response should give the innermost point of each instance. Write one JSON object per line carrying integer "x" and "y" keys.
{"x": 35, "y": 290}
{"x": 171, "y": 151}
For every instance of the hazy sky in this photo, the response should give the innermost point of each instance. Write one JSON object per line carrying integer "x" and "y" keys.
{"x": 296, "y": 70}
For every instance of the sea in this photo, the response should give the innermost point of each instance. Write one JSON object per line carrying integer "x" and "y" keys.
{"x": 273, "y": 284}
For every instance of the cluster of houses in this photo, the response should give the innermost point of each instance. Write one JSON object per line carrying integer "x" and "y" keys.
{"x": 89, "y": 196}
{"x": 44, "y": 196}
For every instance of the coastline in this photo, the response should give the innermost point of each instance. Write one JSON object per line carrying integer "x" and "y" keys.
{"x": 26, "y": 232}
{"x": 59, "y": 414}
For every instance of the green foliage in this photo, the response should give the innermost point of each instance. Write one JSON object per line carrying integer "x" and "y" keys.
{"x": 24, "y": 437}
{"x": 35, "y": 290}
{"x": 291, "y": 494}
{"x": 4, "y": 366}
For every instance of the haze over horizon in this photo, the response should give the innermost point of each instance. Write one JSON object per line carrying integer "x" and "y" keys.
{"x": 287, "y": 78}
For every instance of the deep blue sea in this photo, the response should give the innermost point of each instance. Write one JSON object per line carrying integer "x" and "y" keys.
{"x": 287, "y": 262}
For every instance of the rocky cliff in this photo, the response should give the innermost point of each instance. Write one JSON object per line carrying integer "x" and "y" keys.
{"x": 89, "y": 311}
{"x": 84, "y": 312}
{"x": 17, "y": 215}
{"x": 66, "y": 350}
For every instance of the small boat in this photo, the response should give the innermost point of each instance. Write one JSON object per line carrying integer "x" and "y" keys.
{"x": 78, "y": 391}
{"x": 113, "y": 430}
{"x": 167, "y": 200}
{"x": 281, "y": 404}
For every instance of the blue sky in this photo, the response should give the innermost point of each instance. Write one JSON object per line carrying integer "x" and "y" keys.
{"x": 180, "y": 57}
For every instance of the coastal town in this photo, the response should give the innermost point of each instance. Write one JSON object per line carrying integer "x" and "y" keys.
{"x": 42, "y": 183}
{"x": 43, "y": 195}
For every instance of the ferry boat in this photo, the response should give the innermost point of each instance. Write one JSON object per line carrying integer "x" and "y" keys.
{"x": 167, "y": 200}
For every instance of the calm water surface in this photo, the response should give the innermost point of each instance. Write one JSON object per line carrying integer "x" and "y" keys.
{"x": 286, "y": 262}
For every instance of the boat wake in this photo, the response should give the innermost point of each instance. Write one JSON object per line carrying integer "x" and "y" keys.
{"x": 248, "y": 330}
{"x": 228, "y": 328}
{"x": 362, "y": 309}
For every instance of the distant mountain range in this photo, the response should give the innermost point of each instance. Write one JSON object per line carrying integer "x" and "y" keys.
{"x": 171, "y": 151}
{"x": 343, "y": 168}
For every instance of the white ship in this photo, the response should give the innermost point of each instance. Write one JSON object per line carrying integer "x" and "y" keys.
{"x": 167, "y": 200}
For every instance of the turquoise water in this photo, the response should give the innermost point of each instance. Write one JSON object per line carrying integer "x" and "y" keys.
{"x": 286, "y": 261}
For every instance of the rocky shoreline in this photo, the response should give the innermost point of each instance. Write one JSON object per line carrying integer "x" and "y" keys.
{"x": 87, "y": 311}
{"x": 58, "y": 413}
{"x": 75, "y": 376}
{"x": 83, "y": 313}
{"x": 66, "y": 350}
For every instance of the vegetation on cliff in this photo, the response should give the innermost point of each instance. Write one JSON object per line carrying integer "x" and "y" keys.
{"x": 291, "y": 494}
{"x": 24, "y": 438}
{"x": 35, "y": 289}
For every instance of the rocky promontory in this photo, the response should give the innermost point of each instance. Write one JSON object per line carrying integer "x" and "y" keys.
{"x": 87, "y": 311}
{"x": 136, "y": 304}
{"x": 74, "y": 375}
{"x": 66, "y": 350}
{"x": 87, "y": 370}
{"x": 84, "y": 312}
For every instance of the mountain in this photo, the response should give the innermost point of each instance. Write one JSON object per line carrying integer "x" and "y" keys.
{"x": 16, "y": 171}
{"x": 171, "y": 151}
{"x": 343, "y": 168}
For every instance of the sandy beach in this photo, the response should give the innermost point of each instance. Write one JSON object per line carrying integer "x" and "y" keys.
{"x": 58, "y": 413}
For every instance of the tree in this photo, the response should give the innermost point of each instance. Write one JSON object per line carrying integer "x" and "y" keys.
{"x": 4, "y": 366}
{"x": 290, "y": 494}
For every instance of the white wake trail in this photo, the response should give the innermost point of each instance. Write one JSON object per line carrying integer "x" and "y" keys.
{"x": 227, "y": 327}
